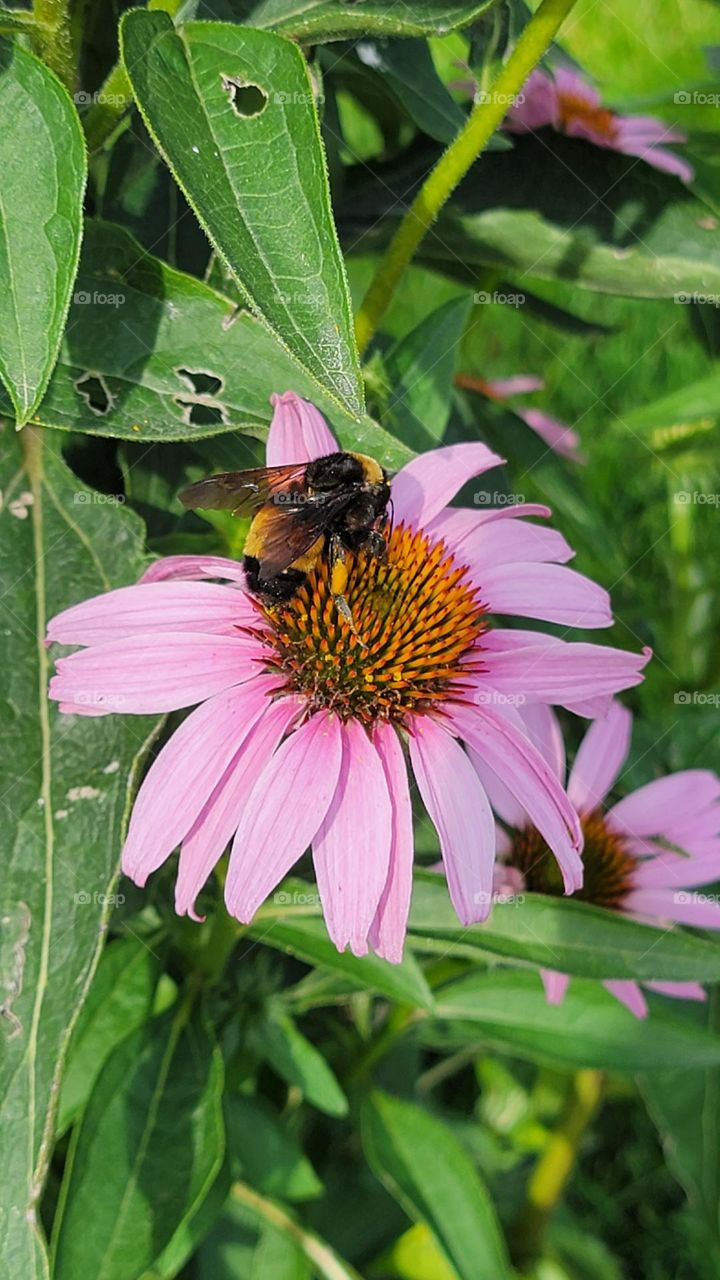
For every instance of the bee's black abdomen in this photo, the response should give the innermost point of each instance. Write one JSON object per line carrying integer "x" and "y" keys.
{"x": 282, "y": 587}
{"x": 334, "y": 471}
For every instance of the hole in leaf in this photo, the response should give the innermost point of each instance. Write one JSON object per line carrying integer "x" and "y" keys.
{"x": 200, "y": 381}
{"x": 95, "y": 392}
{"x": 246, "y": 99}
{"x": 197, "y": 414}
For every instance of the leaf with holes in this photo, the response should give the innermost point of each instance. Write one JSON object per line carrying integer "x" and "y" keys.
{"x": 43, "y": 167}
{"x": 232, "y": 110}
{"x": 154, "y": 1123}
{"x": 129, "y": 362}
{"x": 66, "y": 786}
{"x": 319, "y": 20}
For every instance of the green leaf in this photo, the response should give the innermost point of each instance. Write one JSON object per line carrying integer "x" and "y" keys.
{"x": 425, "y": 1168}
{"x": 232, "y": 111}
{"x": 243, "y": 1246}
{"x": 304, "y": 935}
{"x": 298, "y": 1061}
{"x": 119, "y": 999}
{"x": 408, "y": 70}
{"x": 192, "y": 1230}
{"x": 562, "y": 933}
{"x": 265, "y": 1151}
{"x": 698, "y": 400}
{"x": 148, "y": 1149}
{"x": 43, "y": 167}
{"x": 318, "y": 20}
{"x": 420, "y": 371}
{"x": 132, "y": 365}
{"x": 589, "y": 1029}
{"x": 67, "y": 783}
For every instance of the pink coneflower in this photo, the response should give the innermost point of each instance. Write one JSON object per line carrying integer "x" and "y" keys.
{"x": 568, "y": 104}
{"x": 557, "y": 435}
{"x": 644, "y": 856}
{"x": 298, "y": 739}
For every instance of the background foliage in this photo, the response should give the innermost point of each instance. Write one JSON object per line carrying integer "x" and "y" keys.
{"x": 181, "y": 1100}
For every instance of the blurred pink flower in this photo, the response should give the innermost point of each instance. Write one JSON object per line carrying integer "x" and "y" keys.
{"x": 629, "y": 858}
{"x": 298, "y": 737}
{"x": 570, "y": 105}
{"x": 557, "y": 435}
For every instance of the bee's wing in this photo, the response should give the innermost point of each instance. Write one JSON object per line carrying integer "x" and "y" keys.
{"x": 242, "y": 492}
{"x": 287, "y": 533}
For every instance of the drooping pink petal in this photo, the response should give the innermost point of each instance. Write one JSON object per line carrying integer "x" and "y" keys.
{"x": 425, "y": 485}
{"x": 185, "y": 773}
{"x": 509, "y": 753}
{"x": 666, "y": 802}
{"x": 151, "y": 674}
{"x": 558, "y": 671}
{"x": 283, "y": 812}
{"x": 555, "y": 984}
{"x": 536, "y": 105}
{"x": 557, "y": 435}
{"x": 298, "y": 432}
{"x": 351, "y": 849}
{"x": 543, "y": 730}
{"x": 649, "y": 129}
{"x": 701, "y": 910}
{"x": 662, "y": 159}
{"x": 152, "y": 608}
{"x": 456, "y": 802}
{"x": 547, "y": 591}
{"x": 679, "y": 990}
{"x": 519, "y": 385}
{"x": 629, "y": 994}
{"x": 219, "y": 818}
{"x": 387, "y": 932}
{"x": 194, "y": 568}
{"x": 600, "y": 758}
{"x": 502, "y": 801}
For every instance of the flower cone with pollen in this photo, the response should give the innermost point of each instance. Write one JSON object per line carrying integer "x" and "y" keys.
{"x": 608, "y": 865}
{"x": 417, "y": 620}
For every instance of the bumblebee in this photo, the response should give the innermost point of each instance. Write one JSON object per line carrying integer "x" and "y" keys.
{"x": 302, "y": 513}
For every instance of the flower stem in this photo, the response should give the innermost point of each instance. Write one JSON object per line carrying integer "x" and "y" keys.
{"x": 325, "y": 1261}
{"x": 452, "y": 166}
{"x": 550, "y": 1175}
{"x": 52, "y": 38}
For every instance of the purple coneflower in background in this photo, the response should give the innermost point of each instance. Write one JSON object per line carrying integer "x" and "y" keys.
{"x": 297, "y": 735}
{"x": 570, "y": 105}
{"x": 557, "y": 435}
{"x": 644, "y": 856}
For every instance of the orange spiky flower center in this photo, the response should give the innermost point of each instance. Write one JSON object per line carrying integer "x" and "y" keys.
{"x": 417, "y": 619}
{"x": 574, "y": 108}
{"x": 608, "y": 866}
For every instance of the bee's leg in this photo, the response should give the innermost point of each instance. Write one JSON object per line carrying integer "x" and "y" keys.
{"x": 338, "y": 583}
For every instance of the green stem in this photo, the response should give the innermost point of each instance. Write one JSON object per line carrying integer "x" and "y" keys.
{"x": 550, "y": 1175}
{"x": 53, "y": 39}
{"x": 325, "y": 1261}
{"x": 452, "y": 166}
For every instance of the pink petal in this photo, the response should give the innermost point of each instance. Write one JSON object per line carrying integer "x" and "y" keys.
{"x": 600, "y": 758}
{"x": 559, "y": 671}
{"x": 665, "y": 803}
{"x": 298, "y": 432}
{"x": 192, "y": 568}
{"x": 457, "y": 525}
{"x": 547, "y": 591}
{"x": 153, "y": 607}
{"x": 150, "y": 674}
{"x": 555, "y": 984}
{"x": 700, "y": 910}
{"x": 679, "y": 990}
{"x": 518, "y": 764}
{"x": 424, "y": 486}
{"x": 387, "y": 932}
{"x": 496, "y": 543}
{"x": 283, "y": 812}
{"x": 219, "y": 819}
{"x": 512, "y": 511}
{"x": 629, "y": 994}
{"x": 571, "y": 84}
{"x": 519, "y": 385}
{"x": 351, "y": 850}
{"x": 536, "y": 107}
{"x": 502, "y": 801}
{"x": 557, "y": 435}
{"x": 543, "y": 730}
{"x": 181, "y": 779}
{"x": 456, "y": 802}
{"x": 673, "y": 871}
{"x": 661, "y": 159}
{"x": 649, "y": 129}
